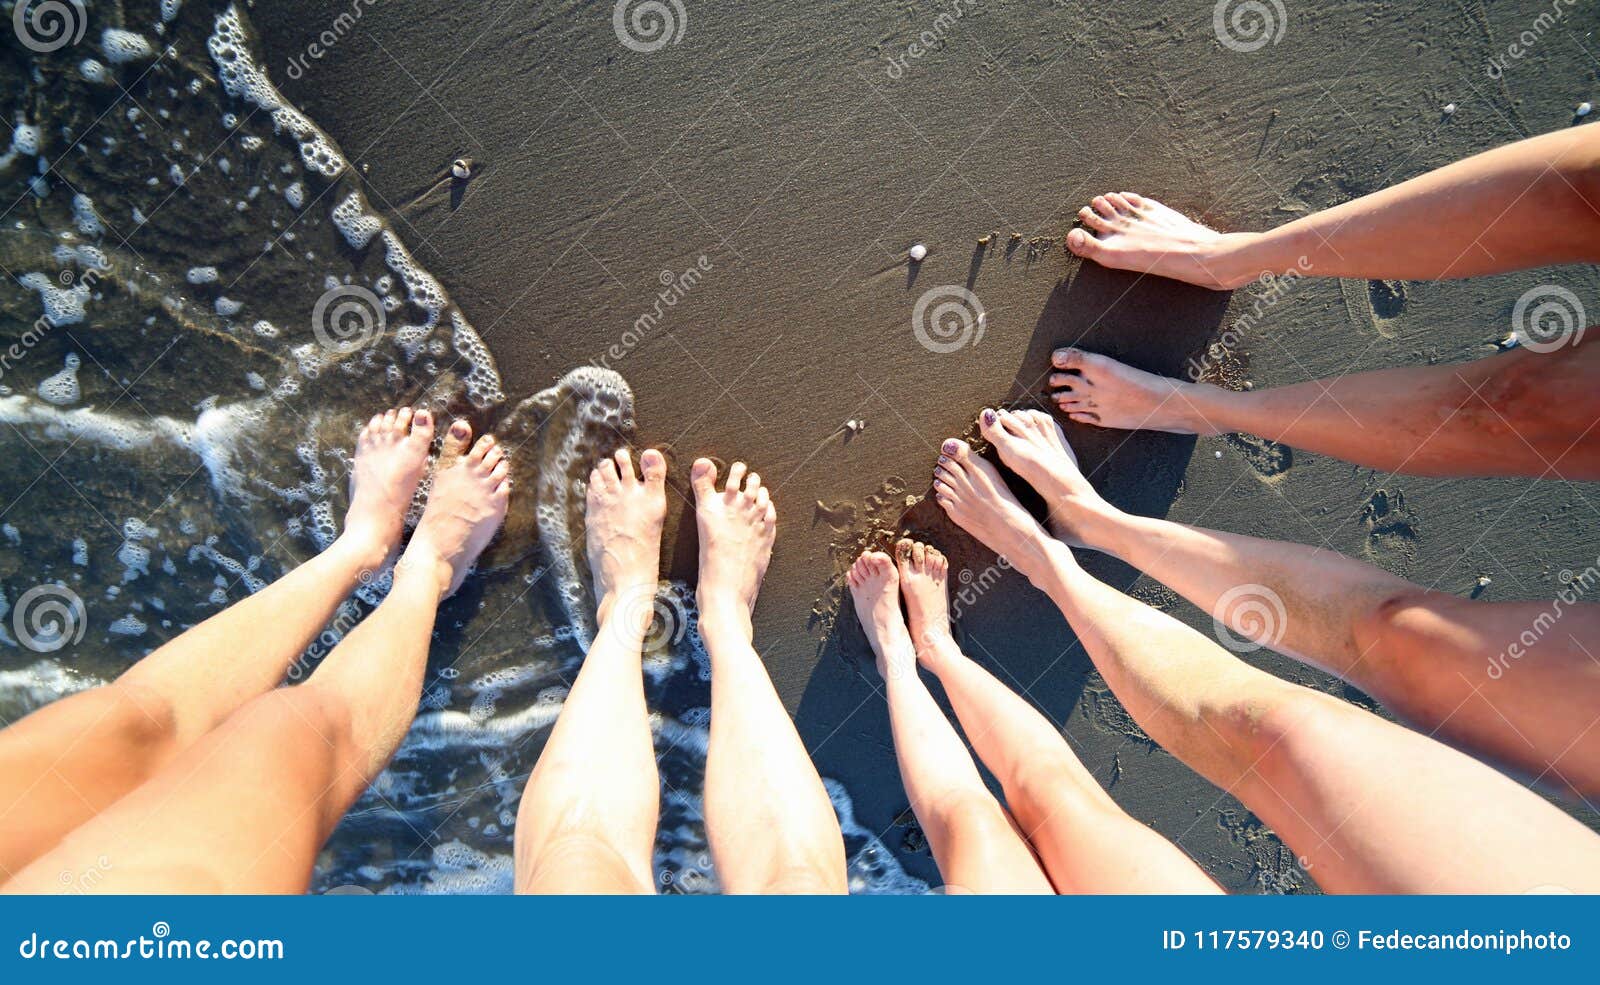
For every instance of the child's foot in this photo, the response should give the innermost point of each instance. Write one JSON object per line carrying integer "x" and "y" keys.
{"x": 1095, "y": 389}
{"x": 1131, "y": 232}
{"x": 623, "y": 528}
{"x": 737, "y": 525}
{"x": 391, "y": 456}
{"x": 978, "y": 501}
{"x": 466, "y": 504}
{"x": 1033, "y": 445}
{"x": 923, "y": 572}
{"x": 874, "y": 588}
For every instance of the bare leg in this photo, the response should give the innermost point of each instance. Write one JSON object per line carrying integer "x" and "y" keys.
{"x": 974, "y": 840}
{"x": 1515, "y": 413}
{"x": 70, "y": 760}
{"x": 246, "y": 808}
{"x": 1370, "y": 806}
{"x": 587, "y": 823}
{"x": 1527, "y": 204}
{"x": 1087, "y": 843}
{"x": 771, "y": 826}
{"x": 1433, "y": 658}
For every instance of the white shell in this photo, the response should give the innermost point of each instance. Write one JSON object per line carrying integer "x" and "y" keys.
{"x": 1584, "y": 109}
{"x": 1449, "y": 109}
{"x": 1484, "y": 580}
{"x": 918, "y": 252}
{"x": 461, "y": 169}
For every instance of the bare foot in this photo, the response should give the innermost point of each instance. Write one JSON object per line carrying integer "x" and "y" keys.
{"x": 1033, "y": 445}
{"x": 874, "y": 587}
{"x": 623, "y": 529}
{"x": 1131, "y": 232}
{"x": 1095, "y": 389}
{"x": 977, "y": 499}
{"x": 737, "y": 527}
{"x": 391, "y": 456}
{"x": 923, "y": 572}
{"x": 466, "y": 504}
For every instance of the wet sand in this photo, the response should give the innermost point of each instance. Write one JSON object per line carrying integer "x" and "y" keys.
{"x": 779, "y": 147}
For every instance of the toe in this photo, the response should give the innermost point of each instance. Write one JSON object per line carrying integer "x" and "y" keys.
{"x": 1103, "y": 206}
{"x": 496, "y": 455}
{"x": 402, "y": 420}
{"x": 955, "y": 449}
{"x": 752, "y": 483}
{"x": 1120, "y": 203}
{"x": 771, "y": 517}
{"x": 456, "y": 441}
{"x": 735, "y": 476}
{"x": 605, "y": 474}
{"x": 703, "y": 476}
{"x": 1138, "y": 201}
{"x": 1011, "y": 423}
{"x": 762, "y": 498}
{"x": 919, "y": 555}
{"x": 481, "y": 448}
{"x": 376, "y": 423}
{"x": 422, "y": 425}
{"x": 1094, "y": 220}
{"x": 1068, "y": 383}
{"x": 389, "y": 417}
{"x": 655, "y": 466}
{"x": 1082, "y": 244}
{"x": 625, "y": 467}
{"x": 501, "y": 469}
{"x": 1084, "y": 417}
{"x": 1068, "y": 358}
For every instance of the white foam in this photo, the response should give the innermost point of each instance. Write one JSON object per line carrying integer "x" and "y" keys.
{"x": 62, "y": 305}
{"x": 202, "y": 275}
{"x": 354, "y": 222}
{"x": 62, "y": 388}
{"x": 121, "y": 47}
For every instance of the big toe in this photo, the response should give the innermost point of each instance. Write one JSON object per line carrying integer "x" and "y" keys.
{"x": 1082, "y": 244}
{"x": 1068, "y": 358}
{"x": 703, "y": 476}
{"x": 655, "y": 466}
{"x": 456, "y": 442}
{"x": 955, "y": 449}
{"x": 422, "y": 426}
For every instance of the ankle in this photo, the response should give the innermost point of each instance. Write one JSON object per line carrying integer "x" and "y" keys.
{"x": 424, "y": 566}
{"x": 362, "y": 548}
{"x": 724, "y": 619}
{"x": 1237, "y": 259}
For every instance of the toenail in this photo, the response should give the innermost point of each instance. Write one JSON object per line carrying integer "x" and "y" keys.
{"x": 943, "y": 460}
{"x": 950, "y": 447}
{"x": 459, "y": 429}
{"x": 422, "y": 418}
{"x": 988, "y": 417}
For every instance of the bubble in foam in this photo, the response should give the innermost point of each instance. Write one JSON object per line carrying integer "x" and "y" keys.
{"x": 85, "y": 217}
{"x": 121, "y": 47}
{"x": 354, "y": 222}
{"x": 169, "y": 10}
{"x": 295, "y": 194}
{"x": 128, "y": 625}
{"x": 62, "y": 305}
{"x": 62, "y": 388}
{"x": 202, "y": 275}
{"x": 25, "y": 139}
{"x": 228, "y": 307}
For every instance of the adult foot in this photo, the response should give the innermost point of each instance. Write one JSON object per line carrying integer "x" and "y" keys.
{"x": 1094, "y": 389}
{"x": 874, "y": 588}
{"x": 1033, "y": 445}
{"x": 923, "y": 573}
{"x": 466, "y": 504}
{"x": 975, "y": 497}
{"x": 391, "y": 456}
{"x": 1131, "y": 232}
{"x": 623, "y": 530}
{"x": 737, "y": 525}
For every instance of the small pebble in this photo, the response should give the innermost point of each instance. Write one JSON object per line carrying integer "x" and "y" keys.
{"x": 461, "y": 168}
{"x": 918, "y": 252}
{"x": 1509, "y": 342}
{"x": 1484, "y": 580}
{"x": 1218, "y": 454}
{"x": 1449, "y": 109}
{"x": 1584, "y": 109}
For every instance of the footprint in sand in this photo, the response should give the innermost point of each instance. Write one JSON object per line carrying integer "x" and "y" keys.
{"x": 1267, "y": 457}
{"x": 1391, "y": 530}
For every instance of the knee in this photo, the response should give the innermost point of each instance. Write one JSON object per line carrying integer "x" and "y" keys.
{"x": 143, "y": 720}
{"x": 968, "y": 816}
{"x": 1267, "y": 730}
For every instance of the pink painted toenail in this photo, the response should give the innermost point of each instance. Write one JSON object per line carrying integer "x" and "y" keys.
{"x": 988, "y": 417}
{"x": 459, "y": 429}
{"x": 950, "y": 447}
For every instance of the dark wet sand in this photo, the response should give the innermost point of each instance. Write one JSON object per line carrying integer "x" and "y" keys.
{"x": 776, "y": 145}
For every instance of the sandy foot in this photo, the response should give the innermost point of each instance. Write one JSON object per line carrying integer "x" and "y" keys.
{"x": 1095, "y": 389}
{"x": 622, "y": 526}
{"x": 1033, "y": 445}
{"x": 466, "y": 504}
{"x": 391, "y": 457}
{"x": 923, "y": 576}
{"x": 1131, "y": 232}
{"x": 875, "y": 588}
{"x": 737, "y": 526}
{"x": 975, "y": 497}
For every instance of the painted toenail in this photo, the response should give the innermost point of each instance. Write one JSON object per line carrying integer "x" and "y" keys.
{"x": 950, "y": 447}
{"x": 422, "y": 418}
{"x": 988, "y": 417}
{"x": 459, "y": 429}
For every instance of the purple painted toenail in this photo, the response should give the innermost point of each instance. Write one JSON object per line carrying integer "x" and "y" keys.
{"x": 988, "y": 417}
{"x": 422, "y": 418}
{"x": 459, "y": 429}
{"x": 950, "y": 447}
{"x": 944, "y": 460}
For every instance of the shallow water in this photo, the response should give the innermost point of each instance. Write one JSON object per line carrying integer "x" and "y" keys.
{"x": 200, "y": 309}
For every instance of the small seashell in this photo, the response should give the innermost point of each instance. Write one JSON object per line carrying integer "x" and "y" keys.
{"x": 1449, "y": 109}
{"x": 1584, "y": 109}
{"x": 1218, "y": 454}
{"x": 461, "y": 168}
{"x": 1484, "y": 580}
{"x": 984, "y": 240}
{"x": 918, "y": 252}
{"x": 1510, "y": 341}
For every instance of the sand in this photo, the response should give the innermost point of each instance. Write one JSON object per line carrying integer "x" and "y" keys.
{"x": 774, "y": 141}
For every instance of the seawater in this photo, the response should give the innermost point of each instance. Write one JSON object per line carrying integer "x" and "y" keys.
{"x": 200, "y": 308}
